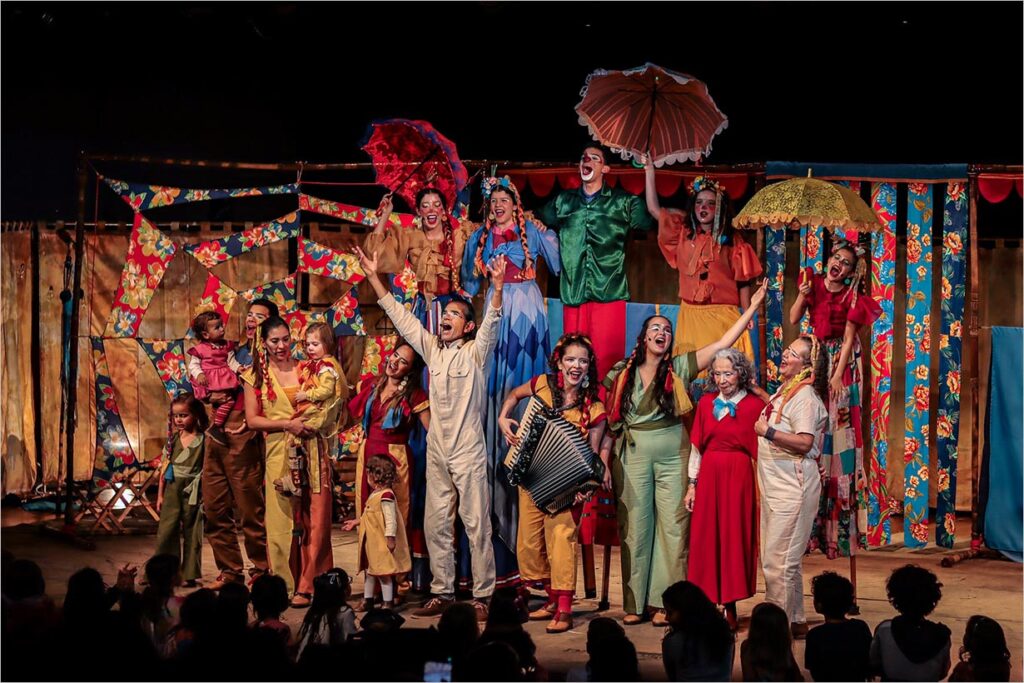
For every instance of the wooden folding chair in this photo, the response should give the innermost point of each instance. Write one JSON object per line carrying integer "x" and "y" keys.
{"x": 136, "y": 483}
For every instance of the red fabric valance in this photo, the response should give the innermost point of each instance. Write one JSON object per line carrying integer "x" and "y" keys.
{"x": 996, "y": 188}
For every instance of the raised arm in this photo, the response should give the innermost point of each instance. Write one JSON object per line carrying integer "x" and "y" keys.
{"x": 487, "y": 335}
{"x": 796, "y": 311}
{"x": 405, "y": 322}
{"x": 651, "y": 189}
{"x": 385, "y": 242}
{"x": 705, "y": 354}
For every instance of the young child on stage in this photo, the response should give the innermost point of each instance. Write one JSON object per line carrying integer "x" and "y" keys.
{"x": 180, "y": 532}
{"x": 329, "y": 621}
{"x": 321, "y": 378}
{"x": 383, "y": 546}
{"x": 208, "y": 369}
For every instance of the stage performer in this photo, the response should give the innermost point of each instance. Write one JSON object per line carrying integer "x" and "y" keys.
{"x": 210, "y": 372}
{"x": 233, "y": 478}
{"x": 388, "y": 408}
{"x": 715, "y": 265}
{"x": 593, "y": 223}
{"x": 434, "y": 248}
{"x": 838, "y": 311}
{"x": 383, "y": 547}
{"x": 180, "y": 532}
{"x": 647, "y": 397}
{"x": 721, "y": 494}
{"x": 456, "y": 454}
{"x": 270, "y": 389}
{"x": 523, "y": 347}
{"x": 546, "y": 544}
{"x": 791, "y": 430}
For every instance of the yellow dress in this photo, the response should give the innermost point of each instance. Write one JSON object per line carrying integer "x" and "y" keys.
{"x": 374, "y": 556}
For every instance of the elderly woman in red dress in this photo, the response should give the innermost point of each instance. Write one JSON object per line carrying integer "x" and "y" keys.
{"x": 723, "y": 525}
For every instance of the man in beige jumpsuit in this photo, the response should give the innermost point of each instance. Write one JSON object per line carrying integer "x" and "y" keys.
{"x": 456, "y": 451}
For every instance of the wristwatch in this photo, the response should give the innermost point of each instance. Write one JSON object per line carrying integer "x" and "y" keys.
{"x": 770, "y": 434}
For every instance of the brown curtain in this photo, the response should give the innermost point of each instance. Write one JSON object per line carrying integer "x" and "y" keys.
{"x": 16, "y": 387}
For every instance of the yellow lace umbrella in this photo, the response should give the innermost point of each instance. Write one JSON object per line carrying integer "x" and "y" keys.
{"x": 802, "y": 202}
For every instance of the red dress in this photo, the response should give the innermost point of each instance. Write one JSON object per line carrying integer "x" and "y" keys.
{"x": 723, "y": 525}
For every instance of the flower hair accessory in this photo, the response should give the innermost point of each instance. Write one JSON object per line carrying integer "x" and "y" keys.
{"x": 703, "y": 182}
{"x": 489, "y": 185}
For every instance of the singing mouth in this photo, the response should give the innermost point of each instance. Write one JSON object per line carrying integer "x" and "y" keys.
{"x": 834, "y": 272}
{"x": 587, "y": 172}
{"x": 499, "y": 213}
{"x": 703, "y": 215}
{"x": 575, "y": 376}
{"x": 446, "y": 327}
{"x": 431, "y": 218}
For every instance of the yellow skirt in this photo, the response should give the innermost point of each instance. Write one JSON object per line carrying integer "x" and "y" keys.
{"x": 698, "y": 326}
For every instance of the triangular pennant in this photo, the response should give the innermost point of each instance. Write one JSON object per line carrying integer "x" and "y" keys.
{"x": 149, "y": 252}
{"x": 113, "y": 451}
{"x": 344, "y": 315}
{"x": 142, "y": 197}
{"x": 213, "y": 252}
{"x": 281, "y": 292}
{"x": 350, "y": 213}
{"x": 317, "y": 259}
{"x": 217, "y": 296}
{"x": 168, "y": 357}
{"x": 375, "y": 352}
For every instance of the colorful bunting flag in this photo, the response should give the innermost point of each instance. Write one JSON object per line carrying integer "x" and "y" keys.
{"x": 142, "y": 197}
{"x": 213, "y": 252}
{"x": 168, "y": 357}
{"x": 352, "y": 214}
{"x": 113, "y": 451}
{"x": 316, "y": 259}
{"x": 149, "y": 252}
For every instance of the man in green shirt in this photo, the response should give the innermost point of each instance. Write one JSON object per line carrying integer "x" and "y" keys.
{"x": 592, "y": 224}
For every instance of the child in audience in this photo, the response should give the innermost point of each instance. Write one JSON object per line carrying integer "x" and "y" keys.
{"x": 160, "y": 606}
{"x": 910, "y": 647}
{"x": 269, "y": 601}
{"x": 208, "y": 368}
{"x": 767, "y": 653}
{"x": 699, "y": 644}
{"x": 180, "y": 532}
{"x": 329, "y": 621}
{"x": 838, "y": 649}
{"x": 599, "y": 630}
{"x": 984, "y": 655}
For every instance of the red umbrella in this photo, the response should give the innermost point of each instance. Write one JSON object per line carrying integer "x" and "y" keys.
{"x": 410, "y": 155}
{"x": 651, "y": 110}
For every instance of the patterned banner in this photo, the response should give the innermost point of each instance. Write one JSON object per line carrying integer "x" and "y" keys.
{"x": 954, "y": 256}
{"x": 281, "y": 292}
{"x": 217, "y": 296}
{"x": 812, "y": 255}
{"x": 149, "y": 252}
{"x": 343, "y": 316}
{"x": 350, "y": 213}
{"x": 918, "y": 356}
{"x": 142, "y": 197}
{"x": 111, "y": 439}
{"x": 168, "y": 357}
{"x": 375, "y": 352}
{"x": 316, "y": 259}
{"x": 883, "y": 281}
{"x": 214, "y": 252}
{"x": 775, "y": 271}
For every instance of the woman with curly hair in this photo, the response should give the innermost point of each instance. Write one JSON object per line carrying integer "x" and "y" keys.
{"x": 647, "y": 397}
{"x": 791, "y": 431}
{"x": 523, "y": 347}
{"x": 546, "y": 544}
{"x": 721, "y": 494}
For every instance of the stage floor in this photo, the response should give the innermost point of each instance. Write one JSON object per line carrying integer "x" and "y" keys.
{"x": 989, "y": 587}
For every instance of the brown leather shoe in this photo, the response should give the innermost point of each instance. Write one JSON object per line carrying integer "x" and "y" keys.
{"x": 546, "y": 612}
{"x": 365, "y": 605}
{"x": 633, "y": 619}
{"x": 223, "y": 580}
{"x": 799, "y": 631}
{"x": 660, "y": 619}
{"x": 561, "y": 623}
{"x": 302, "y": 600}
{"x": 434, "y": 607}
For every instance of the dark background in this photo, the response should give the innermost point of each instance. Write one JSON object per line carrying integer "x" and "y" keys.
{"x": 282, "y": 82}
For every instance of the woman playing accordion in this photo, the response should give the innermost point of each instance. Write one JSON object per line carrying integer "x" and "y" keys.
{"x": 546, "y": 543}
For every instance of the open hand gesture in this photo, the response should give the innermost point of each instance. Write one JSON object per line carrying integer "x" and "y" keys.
{"x": 496, "y": 268}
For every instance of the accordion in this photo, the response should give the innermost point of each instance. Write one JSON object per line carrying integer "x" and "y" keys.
{"x": 553, "y": 460}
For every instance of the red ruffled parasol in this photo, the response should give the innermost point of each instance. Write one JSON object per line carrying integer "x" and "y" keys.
{"x": 410, "y": 155}
{"x": 651, "y": 110}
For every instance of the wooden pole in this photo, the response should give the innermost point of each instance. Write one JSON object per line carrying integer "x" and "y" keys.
{"x": 977, "y": 534}
{"x": 72, "y": 375}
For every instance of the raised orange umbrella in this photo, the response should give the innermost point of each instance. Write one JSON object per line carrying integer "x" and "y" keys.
{"x": 667, "y": 115}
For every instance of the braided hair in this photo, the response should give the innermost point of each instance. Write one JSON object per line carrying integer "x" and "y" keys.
{"x": 859, "y": 268}
{"x": 448, "y": 229}
{"x": 519, "y": 218}
{"x": 261, "y": 359}
{"x": 662, "y": 377}
{"x": 814, "y": 374}
{"x": 587, "y": 392}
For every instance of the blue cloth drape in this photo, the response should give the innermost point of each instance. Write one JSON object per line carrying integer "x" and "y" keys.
{"x": 1004, "y": 445}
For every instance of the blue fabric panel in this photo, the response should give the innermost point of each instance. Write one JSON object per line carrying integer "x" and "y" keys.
{"x": 1004, "y": 444}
